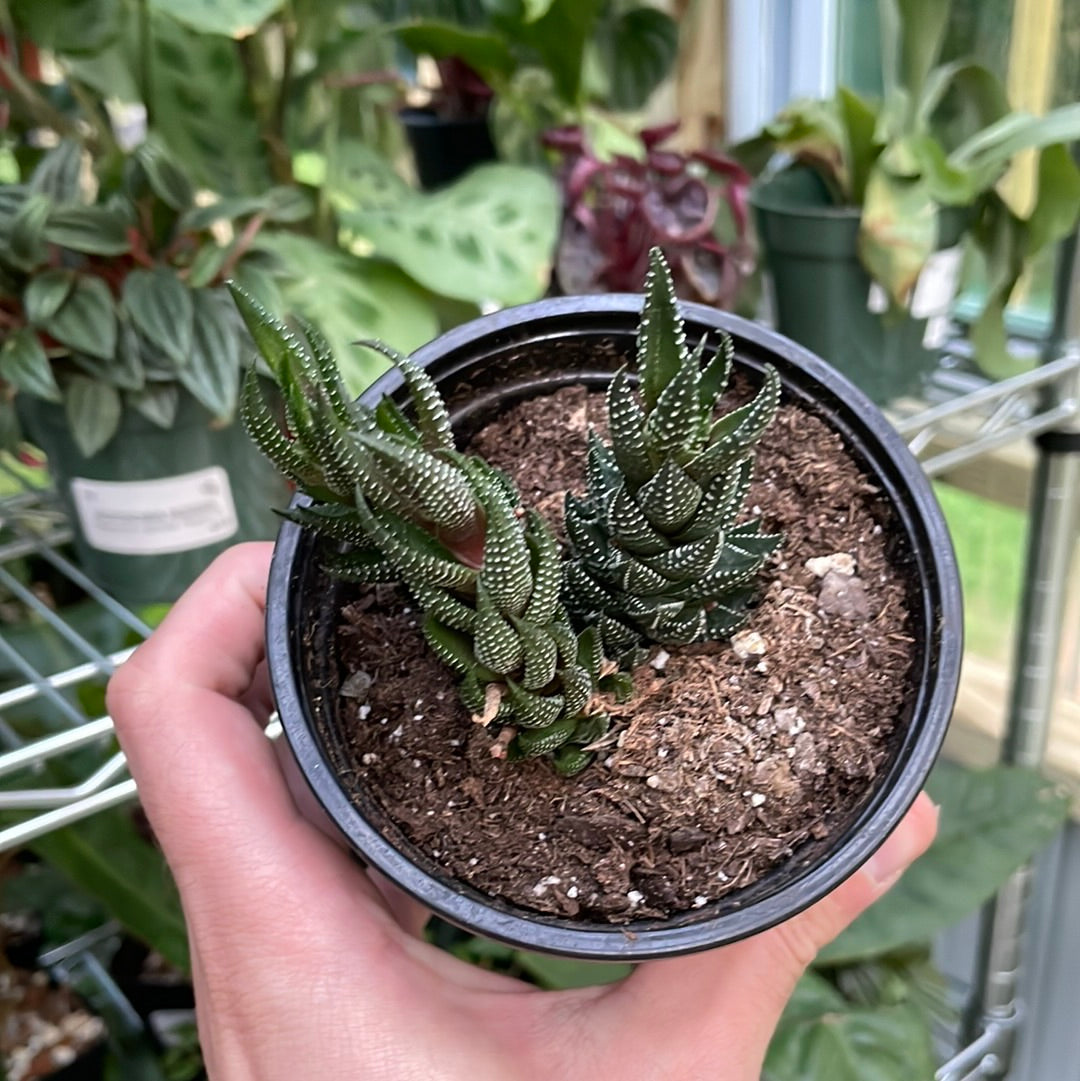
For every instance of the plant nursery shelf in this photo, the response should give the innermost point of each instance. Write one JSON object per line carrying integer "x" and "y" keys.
{"x": 66, "y": 679}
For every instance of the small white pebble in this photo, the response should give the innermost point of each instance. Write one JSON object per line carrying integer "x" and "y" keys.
{"x": 364, "y": 712}
{"x": 454, "y": 742}
{"x": 541, "y": 887}
{"x": 723, "y": 877}
{"x": 572, "y": 892}
{"x": 653, "y": 781}
{"x": 473, "y": 862}
{"x": 662, "y": 752}
{"x": 418, "y": 717}
{"x": 369, "y": 758}
{"x": 635, "y": 897}
{"x": 797, "y": 727}
{"x": 417, "y": 763}
{"x": 541, "y": 836}
{"x": 396, "y": 734}
{"x": 840, "y": 562}
{"x": 406, "y": 611}
{"x": 757, "y": 799}
{"x": 748, "y": 644}
{"x": 700, "y": 901}
{"x": 659, "y": 661}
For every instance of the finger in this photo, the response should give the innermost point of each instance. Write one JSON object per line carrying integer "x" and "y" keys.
{"x": 743, "y": 987}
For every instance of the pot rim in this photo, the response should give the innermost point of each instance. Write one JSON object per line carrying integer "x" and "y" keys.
{"x": 874, "y": 821}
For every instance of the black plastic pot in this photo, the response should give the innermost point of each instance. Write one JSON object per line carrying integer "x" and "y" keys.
{"x": 821, "y": 289}
{"x": 481, "y": 368}
{"x": 444, "y": 148}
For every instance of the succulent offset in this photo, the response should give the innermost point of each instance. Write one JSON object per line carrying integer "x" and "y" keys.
{"x": 409, "y": 507}
{"x": 659, "y": 554}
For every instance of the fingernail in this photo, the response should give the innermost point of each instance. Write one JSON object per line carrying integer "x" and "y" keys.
{"x": 890, "y": 861}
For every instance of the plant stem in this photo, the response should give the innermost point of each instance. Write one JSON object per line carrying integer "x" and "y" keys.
{"x": 243, "y": 242}
{"x": 33, "y": 106}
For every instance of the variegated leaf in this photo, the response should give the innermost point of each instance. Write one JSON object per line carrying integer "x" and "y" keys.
{"x": 674, "y": 427}
{"x": 546, "y": 570}
{"x": 661, "y": 340}
{"x": 631, "y": 528}
{"x": 626, "y": 424}
{"x": 670, "y": 498}
{"x": 496, "y": 643}
{"x": 541, "y": 655}
{"x": 533, "y": 710}
{"x": 534, "y": 742}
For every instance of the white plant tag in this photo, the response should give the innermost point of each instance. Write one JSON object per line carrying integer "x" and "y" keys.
{"x": 938, "y": 328}
{"x": 877, "y": 300}
{"x": 154, "y": 517}
{"x": 936, "y": 286}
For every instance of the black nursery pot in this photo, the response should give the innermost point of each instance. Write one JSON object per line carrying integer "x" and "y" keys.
{"x": 445, "y": 148}
{"x": 484, "y": 367}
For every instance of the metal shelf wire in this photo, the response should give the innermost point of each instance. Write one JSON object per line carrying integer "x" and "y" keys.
{"x": 976, "y": 422}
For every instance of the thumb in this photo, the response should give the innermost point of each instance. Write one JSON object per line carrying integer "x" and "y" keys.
{"x": 743, "y": 988}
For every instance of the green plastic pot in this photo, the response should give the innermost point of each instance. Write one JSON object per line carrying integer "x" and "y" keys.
{"x": 822, "y": 290}
{"x": 153, "y": 507}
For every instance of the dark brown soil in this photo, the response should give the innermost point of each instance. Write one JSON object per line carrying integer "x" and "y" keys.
{"x": 730, "y": 756}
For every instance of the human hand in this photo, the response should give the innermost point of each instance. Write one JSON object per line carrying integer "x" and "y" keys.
{"x": 306, "y": 967}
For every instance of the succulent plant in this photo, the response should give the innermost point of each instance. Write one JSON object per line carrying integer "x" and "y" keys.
{"x": 659, "y": 553}
{"x": 407, "y": 506}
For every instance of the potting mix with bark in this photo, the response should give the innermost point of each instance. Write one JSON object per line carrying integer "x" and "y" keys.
{"x": 730, "y": 758}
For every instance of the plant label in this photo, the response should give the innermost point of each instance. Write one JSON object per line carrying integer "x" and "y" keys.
{"x": 936, "y": 286}
{"x": 155, "y": 517}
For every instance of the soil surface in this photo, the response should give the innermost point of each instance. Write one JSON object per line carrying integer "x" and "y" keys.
{"x": 731, "y": 755}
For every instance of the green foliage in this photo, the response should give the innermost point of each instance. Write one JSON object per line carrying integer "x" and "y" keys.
{"x": 118, "y": 298}
{"x": 231, "y": 18}
{"x": 447, "y": 525}
{"x": 866, "y": 1008}
{"x": 991, "y": 821}
{"x": 489, "y": 236}
{"x": 659, "y": 554}
{"x": 906, "y": 158}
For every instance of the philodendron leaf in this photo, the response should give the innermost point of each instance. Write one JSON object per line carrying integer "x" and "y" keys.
{"x": 92, "y": 230}
{"x": 213, "y": 375}
{"x": 489, "y": 236}
{"x": 160, "y": 305}
{"x": 821, "y": 1036}
{"x": 46, "y": 292}
{"x": 991, "y": 822}
{"x": 25, "y": 366}
{"x": 231, "y": 18}
{"x": 93, "y": 412}
{"x": 637, "y": 49}
{"x": 86, "y": 321}
{"x": 898, "y": 231}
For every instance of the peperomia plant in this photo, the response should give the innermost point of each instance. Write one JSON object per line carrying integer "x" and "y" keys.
{"x": 111, "y": 292}
{"x": 533, "y": 638}
{"x": 693, "y": 207}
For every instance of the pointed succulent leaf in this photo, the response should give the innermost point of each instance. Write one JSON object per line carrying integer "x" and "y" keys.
{"x": 546, "y": 565}
{"x": 626, "y": 422}
{"x": 405, "y": 476}
{"x": 618, "y": 638}
{"x": 391, "y": 419}
{"x": 601, "y": 472}
{"x": 688, "y": 561}
{"x": 578, "y": 687}
{"x": 670, "y": 498}
{"x": 541, "y": 655}
{"x": 661, "y": 341}
{"x": 749, "y": 540}
{"x": 720, "y": 583}
{"x": 334, "y": 520}
{"x": 715, "y": 376}
{"x": 590, "y": 652}
{"x": 452, "y": 648}
{"x": 591, "y": 728}
{"x": 570, "y": 761}
{"x": 496, "y": 644}
{"x": 363, "y": 565}
{"x": 674, "y": 427}
{"x": 585, "y": 534}
{"x": 683, "y": 629}
{"x": 328, "y": 377}
{"x": 641, "y": 580}
{"x": 415, "y": 552}
{"x": 631, "y": 528}
{"x": 584, "y": 593}
{"x": 533, "y": 710}
{"x": 506, "y": 573}
{"x": 724, "y": 621}
{"x": 272, "y": 338}
{"x": 565, "y": 639}
{"x": 262, "y": 426}
{"x": 537, "y": 741}
{"x": 748, "y": 423}
{"x": 470, "y": 690}
{"x": 432, "y": 419}
{"x": 621, "y": 684}
{"x": 442, "y": 605}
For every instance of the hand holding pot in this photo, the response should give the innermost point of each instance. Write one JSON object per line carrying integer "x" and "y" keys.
{"x": 304, "y": 966}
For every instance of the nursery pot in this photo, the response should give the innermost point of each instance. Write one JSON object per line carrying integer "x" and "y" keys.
{"x": 484, "y": 367}
{"x": 446, "y": 147}
{"x": 154, "y": 506}
{"x": 822, "y": 292}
